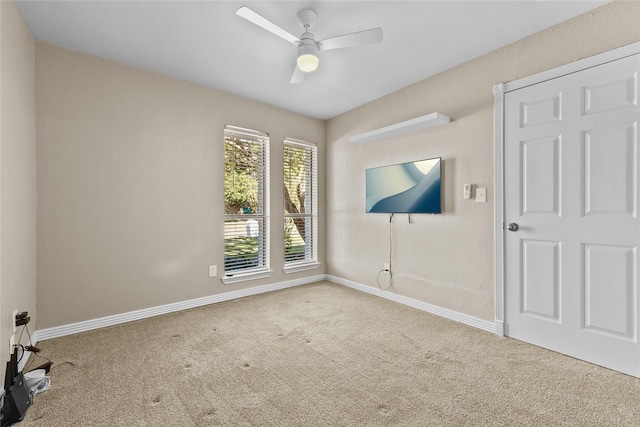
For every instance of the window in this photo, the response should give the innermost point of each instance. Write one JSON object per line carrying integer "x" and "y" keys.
{"x": 300, "y": 205}
{"x": 246, "y": 204}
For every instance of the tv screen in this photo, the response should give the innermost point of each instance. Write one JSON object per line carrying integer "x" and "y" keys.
{"x": 412, "y": 187}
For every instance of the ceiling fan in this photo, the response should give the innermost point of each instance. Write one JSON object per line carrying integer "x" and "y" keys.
{"x": 307, "y": 58}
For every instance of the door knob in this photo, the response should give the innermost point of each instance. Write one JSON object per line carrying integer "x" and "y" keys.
{"x": 512, "y": 226}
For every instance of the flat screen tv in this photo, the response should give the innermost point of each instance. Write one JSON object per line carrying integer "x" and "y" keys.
{"x": 412, "y": 187}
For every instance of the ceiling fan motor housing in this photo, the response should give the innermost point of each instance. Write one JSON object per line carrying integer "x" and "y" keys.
{"x": 307, "y": 39}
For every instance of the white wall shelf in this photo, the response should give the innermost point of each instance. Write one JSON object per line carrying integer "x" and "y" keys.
{"x": 419, "y": 123}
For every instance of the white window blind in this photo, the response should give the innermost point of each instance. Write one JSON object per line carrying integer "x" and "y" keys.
{"x": 300, "y": 202}
{"x": 246, "y": 197}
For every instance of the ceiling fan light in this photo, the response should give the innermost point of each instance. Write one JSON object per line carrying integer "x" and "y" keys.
{"x": 308, "y": 63}
{"x": 307, "y": 59}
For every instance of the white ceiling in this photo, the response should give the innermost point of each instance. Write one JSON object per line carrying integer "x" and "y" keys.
{"x": 206, "y": 43}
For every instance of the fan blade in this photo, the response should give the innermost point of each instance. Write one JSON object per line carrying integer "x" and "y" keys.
{"x": 298, "y": 76}
{"x": 263, "y": 22}
{"x": 373, "y": 35}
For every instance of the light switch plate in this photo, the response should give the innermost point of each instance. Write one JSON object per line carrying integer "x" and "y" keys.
{"x": 481, "y": 195}
{"x": 213, "y": 270}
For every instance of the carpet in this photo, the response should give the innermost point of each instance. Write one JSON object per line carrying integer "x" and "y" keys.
{"x": 320, "y": 355}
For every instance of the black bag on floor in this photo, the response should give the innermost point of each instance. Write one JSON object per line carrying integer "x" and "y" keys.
{"x": 17, "y": 397}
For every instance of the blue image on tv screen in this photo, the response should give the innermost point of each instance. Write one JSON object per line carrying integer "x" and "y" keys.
{"x": 412, "y": 187}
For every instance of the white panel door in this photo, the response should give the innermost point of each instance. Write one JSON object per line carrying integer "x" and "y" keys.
{"x": 571, "y": 197}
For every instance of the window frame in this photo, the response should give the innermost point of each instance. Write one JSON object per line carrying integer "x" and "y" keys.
{"x": 311, "y": 252}
{"x": 263, "y": 269}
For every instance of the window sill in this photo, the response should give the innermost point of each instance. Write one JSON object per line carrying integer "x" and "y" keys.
{"x": 294, "y": 268}
{"x": 243, "y": 277}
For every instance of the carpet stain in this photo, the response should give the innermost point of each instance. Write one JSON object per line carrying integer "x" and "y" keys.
{"x": 431, "y": 355}
{"x": 245, "y": 365}
{"x": 37, "y": 413}
{"x": 156, "y": 400}
{"x": 210, "y": 414}
{"x": 187, "y": 366}
{"x": 384, "y": 410}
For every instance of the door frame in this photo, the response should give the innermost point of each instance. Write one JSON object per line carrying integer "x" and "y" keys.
{"x": 499, "y": 92}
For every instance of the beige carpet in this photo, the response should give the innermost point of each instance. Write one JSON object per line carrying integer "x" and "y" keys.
{"x": 320, "y": 354}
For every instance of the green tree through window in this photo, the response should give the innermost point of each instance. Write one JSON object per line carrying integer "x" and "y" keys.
{"x": 300, "y": 211}
{"x": 245, "y": 201}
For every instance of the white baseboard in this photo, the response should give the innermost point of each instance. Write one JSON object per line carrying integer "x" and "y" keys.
{"x": 102, "y": 322}
{"x": 499, "y": 328}
{"x": 485, "y": 325}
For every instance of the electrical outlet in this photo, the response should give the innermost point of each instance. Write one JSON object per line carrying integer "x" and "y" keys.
{"x": 466, "y": 193}
{"x": 387, "y": 266}
{"x": 13, "y": 321}
{"x": 213, "y": 270}
{"x": 12, "y": 342}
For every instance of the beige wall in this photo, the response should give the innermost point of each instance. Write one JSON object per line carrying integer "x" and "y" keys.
{"x": 130, "y": 178}
{"x": 446, "y": 260}
{"x": 130, "y": 186}
{"x": 17, "y": 174}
